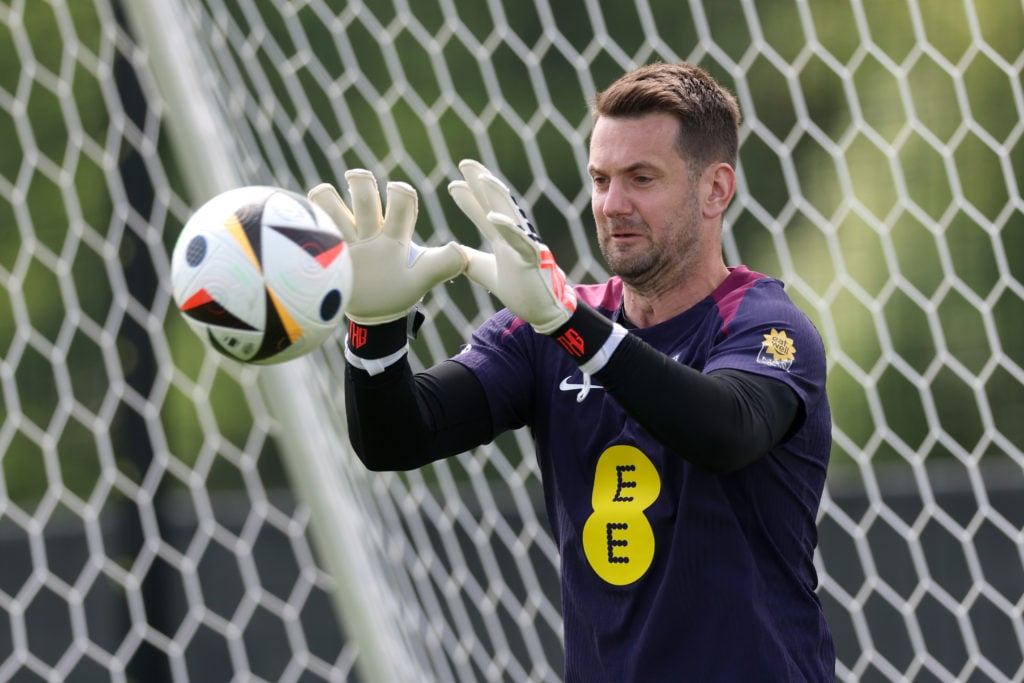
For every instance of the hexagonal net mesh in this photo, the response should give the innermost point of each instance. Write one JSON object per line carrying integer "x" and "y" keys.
{"x": 168, "y": 515}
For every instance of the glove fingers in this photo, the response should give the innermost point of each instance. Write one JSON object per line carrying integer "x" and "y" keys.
{"x": 466, "y": 200}
{"x": 327, "y": 198}
{"x": 472, "y": 171}
{"x": 401, "y": 212}
{"x": 366, "y": 206}
{"x": 481, "y": 268}
{"x": 496, "y": 196}
{"x": 511, "y": 233}
{"x": 548, "y": 280}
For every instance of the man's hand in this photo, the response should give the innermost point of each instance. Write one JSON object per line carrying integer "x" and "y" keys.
{"x": 390, "y": 274}
{"x": 522, "y": 272}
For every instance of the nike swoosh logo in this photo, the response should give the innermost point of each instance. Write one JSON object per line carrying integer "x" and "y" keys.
{"x": 566, "y": 385}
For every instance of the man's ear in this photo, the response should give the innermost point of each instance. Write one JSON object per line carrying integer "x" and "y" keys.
{"x": 719, "y": 187}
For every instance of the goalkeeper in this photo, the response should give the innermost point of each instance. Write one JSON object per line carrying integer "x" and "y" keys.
{"x": 679, "y": 409}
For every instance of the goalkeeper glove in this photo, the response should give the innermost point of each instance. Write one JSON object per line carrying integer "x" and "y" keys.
{"x": 390, "y": 274}
{"x": 523, "y": 273}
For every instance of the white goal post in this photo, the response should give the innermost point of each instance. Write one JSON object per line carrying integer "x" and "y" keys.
{"x": 167, "y": 515}
{"x": 313, "y": 443}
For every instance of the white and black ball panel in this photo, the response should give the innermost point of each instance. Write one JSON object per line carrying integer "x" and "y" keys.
{"x": 261, "y": 274}
{"x": 224, "y": 272}
{"x": 238, "y": 344}
{"x": 290, "y": 209}
{"x": 293, "y": 271}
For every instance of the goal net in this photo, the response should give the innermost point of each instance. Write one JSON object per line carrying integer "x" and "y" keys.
{"x": 167, "y": 515}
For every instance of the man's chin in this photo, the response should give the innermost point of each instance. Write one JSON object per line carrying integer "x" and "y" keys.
{"x": 629, "y": 270}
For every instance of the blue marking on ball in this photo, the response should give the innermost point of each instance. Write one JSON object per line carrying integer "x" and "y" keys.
{"x": 196, "y": 251}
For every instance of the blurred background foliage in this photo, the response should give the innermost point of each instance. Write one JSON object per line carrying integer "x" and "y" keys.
{"x": 879, "y": 181}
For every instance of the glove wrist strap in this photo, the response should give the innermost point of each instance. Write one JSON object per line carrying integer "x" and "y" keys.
{"x": 374, "y": 348}
{"x": 375, "y": 366}
{"x": 589, "y": 338}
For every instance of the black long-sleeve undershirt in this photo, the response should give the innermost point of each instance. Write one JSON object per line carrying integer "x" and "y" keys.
{"x": 400, "y": 421}
{"x": 721, "y": 421}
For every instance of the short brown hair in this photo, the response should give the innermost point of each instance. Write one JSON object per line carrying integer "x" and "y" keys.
{"x": 708, "y": 114}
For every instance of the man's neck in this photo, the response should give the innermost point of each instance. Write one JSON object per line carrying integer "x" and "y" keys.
{"x": 645, "y": 309}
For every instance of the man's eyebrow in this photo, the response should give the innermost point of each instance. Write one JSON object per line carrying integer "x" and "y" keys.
{"x": 635, "y": 166}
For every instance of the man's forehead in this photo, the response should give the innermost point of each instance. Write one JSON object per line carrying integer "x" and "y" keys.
{"x": 631, "y": 144}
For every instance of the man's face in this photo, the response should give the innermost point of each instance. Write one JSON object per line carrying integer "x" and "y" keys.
{"x": 649, "y": 225}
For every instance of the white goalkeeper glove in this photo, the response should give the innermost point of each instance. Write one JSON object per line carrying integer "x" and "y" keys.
{"x": 390, "y": 274}
{"x": 522, "y": 272}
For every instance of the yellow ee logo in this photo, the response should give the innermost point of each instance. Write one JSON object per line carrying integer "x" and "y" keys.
{"x": 618, "y": 539}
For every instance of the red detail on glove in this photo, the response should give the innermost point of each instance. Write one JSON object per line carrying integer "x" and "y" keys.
{"x": 356, "y": 335}
{"x": 572, "y": 342}
{"x": 564, "y": 294}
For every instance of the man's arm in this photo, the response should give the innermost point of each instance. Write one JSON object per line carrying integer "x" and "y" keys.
{"x": 398, "y": 420}
{"x": 721, "y": 421}
{"x": 401, "y": 421}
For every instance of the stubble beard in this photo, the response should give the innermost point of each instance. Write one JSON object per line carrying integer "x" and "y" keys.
{"x": 635, "y": 264}
{"x": 654, "y": 267}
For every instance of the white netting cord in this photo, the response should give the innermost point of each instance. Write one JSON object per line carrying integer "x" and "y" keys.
{"x": 86, "y": 602}
{"x": 873, "y": 216}
{"x": 795, "y": 262}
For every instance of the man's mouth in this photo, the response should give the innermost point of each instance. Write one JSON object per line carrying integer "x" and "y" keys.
{"x": 624, "y": 235}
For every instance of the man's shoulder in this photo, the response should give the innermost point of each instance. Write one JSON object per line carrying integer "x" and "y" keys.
{"x": 743, "y": 282}
{"x": 748, "y": 294}
{"x": 605, "y": 297}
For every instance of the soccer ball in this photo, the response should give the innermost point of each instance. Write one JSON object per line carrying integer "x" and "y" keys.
{"x": 261, "y": 274}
